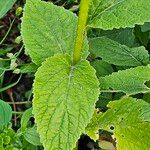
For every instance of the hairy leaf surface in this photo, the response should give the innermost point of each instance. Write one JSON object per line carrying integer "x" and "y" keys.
{"x": 117, "y": 54}
{"x": 109, "y": 14}
{"x": 123, "y": 118}
{"x": 130, "y": 81}
{"x": 64, "y": 100}
{"x": 48, "y": 29}
{"x": 123, "y": 36}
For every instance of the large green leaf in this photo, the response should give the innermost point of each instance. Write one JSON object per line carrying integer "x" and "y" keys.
{"x": 5, "y": 5}
{"x": 130, "y": 81}
{"x": 64, "y": 100}
{"x": 117, "y": 54}
{"x": 109, "y": 14}
{"x": 5, "y": 113}
{"x": 123, "y": 36}
{"x": 47, "y": 30}
{"x": 125, "y": 120}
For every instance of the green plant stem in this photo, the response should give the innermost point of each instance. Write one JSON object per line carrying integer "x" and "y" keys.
{"x": 11, "y": 85}
{"x": 11, "y": 24}
{"x": 19, "y": 103}
{"x": 19, "y": 113}
{"x": 83, "y": 15}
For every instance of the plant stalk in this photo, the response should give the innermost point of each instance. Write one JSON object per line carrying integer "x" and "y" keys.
{"x": 82, "y": 20}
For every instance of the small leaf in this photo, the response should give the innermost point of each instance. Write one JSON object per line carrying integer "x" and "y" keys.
{"x": 4, "y": 65}
{"x": 28, "y": 68}
{"x": 117, "y": 54}
{"x": 32, "y": 136}
{"x": 5, "y": 113}
{"x": 25, "y": 118}
{"x": 48, "y": 29}
{"x": 145, "y": 27}
{"x": 108, "y": 14}
{"x": 29, "y": 133}
{"x": 64, "y": 100}
{"x": 130, "y": 81}
{"x": 123, "y": 118}
{"x": 5, "y": 5}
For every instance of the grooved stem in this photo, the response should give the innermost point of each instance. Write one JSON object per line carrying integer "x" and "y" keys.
{"x": 83, "y": 15}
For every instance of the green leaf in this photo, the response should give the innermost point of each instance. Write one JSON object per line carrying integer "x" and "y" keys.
{"x": 141, "y": 37}
{"x": 102, "y": 68}
{"x": 25, "y": 118}
{"x": 29, "y": 133}
{"x": 4, "y": 51}
{"x": 130, "y": 81}
{"x": 145, "y": 27}
{"x": 47, "y": 30}
{"x": 117, "y": 54}
{"x": 64, "y": 100}
{"x": 5, "y": 113}
{"x": 5, "y": 5}
{"x": 146, "y": 113}
{"x": 122, "y": 36}
{"x": 32, "y": 136}
{"x": 92, "y": 130}
{"x": 27, "y": 146}
{"x": 4, "y": 65}
{"x": 28, "y": 68}
{"x": 123, "y": 118}
{"x": 108, "y": 14}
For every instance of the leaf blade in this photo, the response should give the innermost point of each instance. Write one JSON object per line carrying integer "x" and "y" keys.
{"x": 48, "y": 36}
{"x": 130, "y": 81}
{"x": 5, "y": 6}
{"x": 124, "y": 116}
{"x": 117, "y": 54}
{"x": 59, "y": 97}
{"x": 5, "y": 113}
{"x": 118, "y": 13}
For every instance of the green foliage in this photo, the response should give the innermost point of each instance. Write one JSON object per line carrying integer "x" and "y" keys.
{"x": 102, "y": 68}
{"x": 66, "y": 88}
{"x": 130, "y": 81}
{"x": 145, "y": 27}
{"x": 28, "y": 68}
{"x": 5, "y": 5}
{"x": 29, "y": 133}
{"x": 51, "y": 34}
{"x": 64, "y": 99}
{"x": 32, "y": 136}
{"x": 25, "y": 118}
{"x": 108, "y": 14}
{"x": 125, "y": 119}
{"x": 117, "y": 54}
{"x": 123, "y": 36}
{"x": 5, "y": 113}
